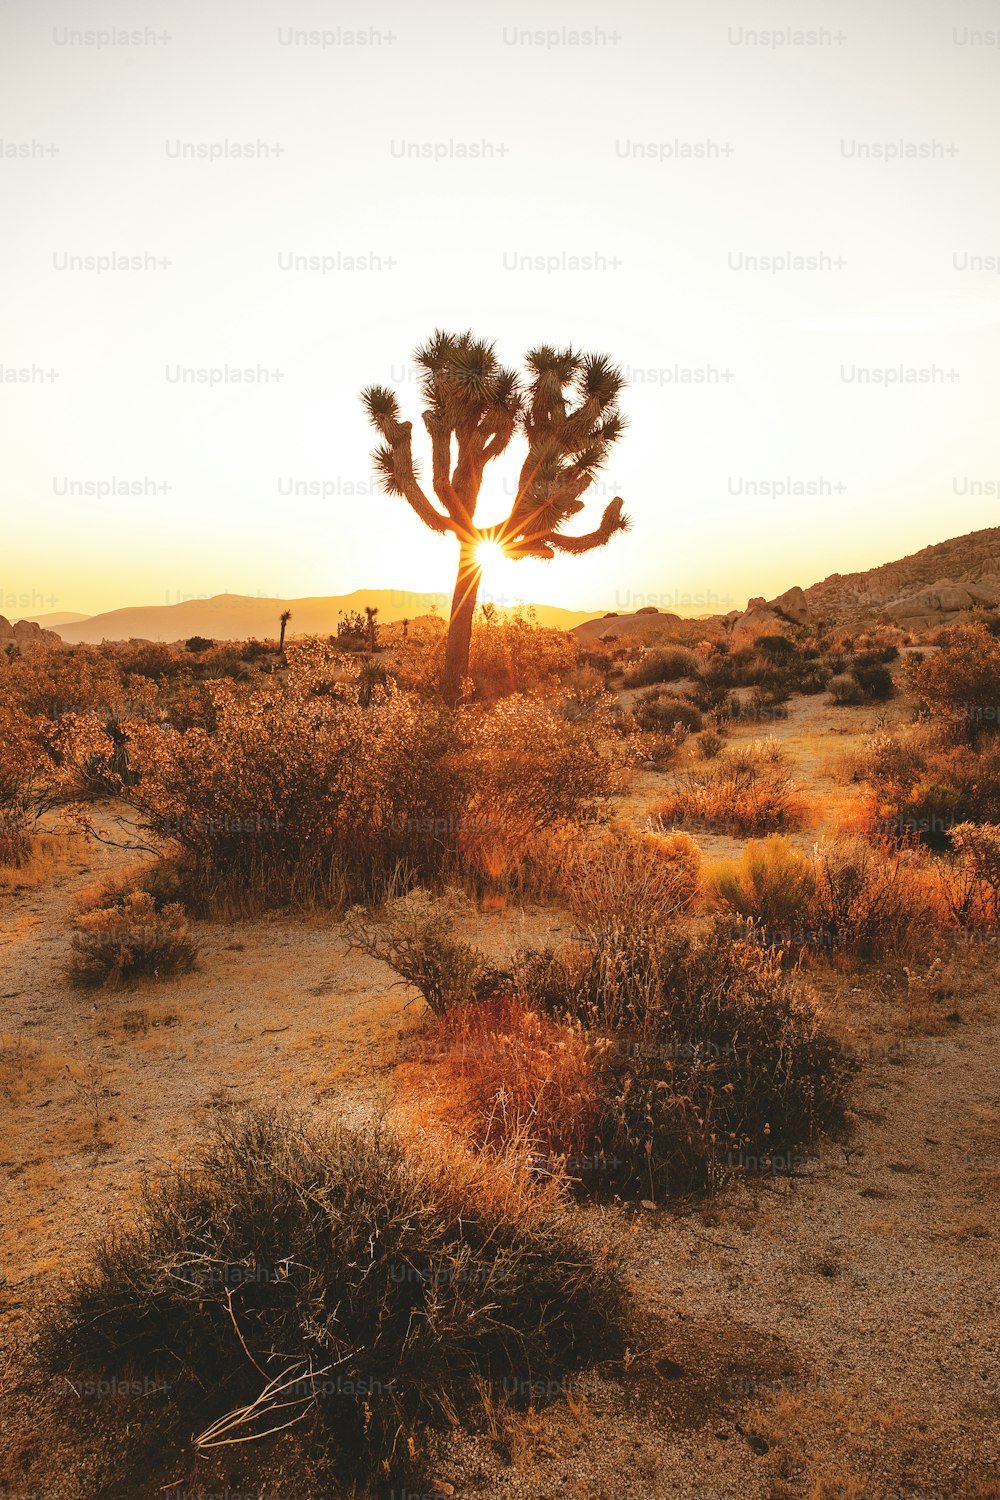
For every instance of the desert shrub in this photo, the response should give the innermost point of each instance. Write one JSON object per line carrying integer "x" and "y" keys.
{"x": 15, "y": 833}
{"x": 668, "y": 664}
{"x": 875, "y": 682}
{"x": 317, "y": 788}
{"x": 659, "y": 712}
{"x": 512, "y": 654}
{"x": 198, "y": 643}
{"x": 867, "y": 680}
{"x": 970, "y": 877}
{"x": 921, "y": 784}
{"x": 747, "y": 790}
{"x": 777, "y": 648}
{"x": 324, "y": 1277}
{"x": 415, "y": 937}
{"x": 758, "y": 707}
{"x": 708, "y": 1057}
{"x": 524, "y": 769}
{"x": 771, "y": 883}
{"x": 851, "y": 901}
{"x": 631, "y": 880}
{"x": 133, "y": 939}
{"x": 709, "y": 742}
{"x": 150, "y": 659}
{"x": 500, "y": 1072}
{"x": 844, "y": 690}
{"x": 873, "y": 900}
{"x": 959, "y": 685}
{"x": 41, "y": 768}
{"x": 299, "y": 793}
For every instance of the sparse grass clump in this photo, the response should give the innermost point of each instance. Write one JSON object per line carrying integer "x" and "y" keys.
{"x": 500, "y": 1073}
{"x": 747, "y": 790}
{"x": 324, "y": 1279}
{"x": 132, "y": 939}
{"x": 772, "y": 883}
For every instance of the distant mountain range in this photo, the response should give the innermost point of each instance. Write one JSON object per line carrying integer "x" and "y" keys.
{"x": 928, "y": 587}
{"x": 238, "y": 617}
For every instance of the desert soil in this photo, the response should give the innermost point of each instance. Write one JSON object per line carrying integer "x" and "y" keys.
{"x": 827, "y": 1333}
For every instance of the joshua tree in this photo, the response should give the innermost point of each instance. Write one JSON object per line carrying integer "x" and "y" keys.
{"x": 284, "y": 617}
{"x": 406, "y": 630}
{"x": 371, "y": 610}
{"x": 567, "y": 409}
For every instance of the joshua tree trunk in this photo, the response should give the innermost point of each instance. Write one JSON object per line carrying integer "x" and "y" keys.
{"x": 463, "y": 608}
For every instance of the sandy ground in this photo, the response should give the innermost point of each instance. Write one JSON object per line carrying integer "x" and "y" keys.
{"x": 832, "y": 1333}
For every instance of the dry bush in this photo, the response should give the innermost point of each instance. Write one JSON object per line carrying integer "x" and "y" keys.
{"x": 709, "y": 743}
{"x": 630, "y": 880}
{"x": 747, "y": 790}
{"x": 525, "y": 770}
{"x": 328, "y": 1279}
{"x": 511, "y": 654}
{"x": 498, "y": 1072}
{"x": 970, "y": 877}
{"x": 959, "y": 685}
{"x": 874, "y": 900}
{"x": 668, "y": 664}
{"x": 853, "y": 900}
{"x": 312, "y": 788}
{"x": 921, "y": 784}
{"x": 661, "y": 711}
{"x": 772, "y": 884}
{"x": 133, "y": 939}
{"x": 708, "y": 1056}
{"x": 415, "y": 937}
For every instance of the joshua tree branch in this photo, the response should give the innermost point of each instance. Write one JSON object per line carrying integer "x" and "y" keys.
{"x": 612, "y": 521}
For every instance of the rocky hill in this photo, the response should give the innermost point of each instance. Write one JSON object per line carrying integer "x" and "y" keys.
{"x": 25, "y": 635}
{"x": 928, "y": 587}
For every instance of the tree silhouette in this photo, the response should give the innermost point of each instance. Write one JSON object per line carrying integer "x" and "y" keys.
{"x": 567, "y": 410}
{"x": 371, "y": 610}
{"x": 284, "y": 617}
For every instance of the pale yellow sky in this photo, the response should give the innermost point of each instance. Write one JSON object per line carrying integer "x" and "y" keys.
{"x": 786, "y": 422}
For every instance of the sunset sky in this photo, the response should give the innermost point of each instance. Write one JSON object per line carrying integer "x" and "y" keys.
{"x": 865, "y": 386}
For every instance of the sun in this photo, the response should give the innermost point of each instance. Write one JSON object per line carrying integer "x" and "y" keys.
{"x": 490, "y": 556}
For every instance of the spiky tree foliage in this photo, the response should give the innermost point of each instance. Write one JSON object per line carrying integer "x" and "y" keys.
{"x": 284, "y": 618}
{"x": 566, "y": 407}
{"x": 371, "y": 610}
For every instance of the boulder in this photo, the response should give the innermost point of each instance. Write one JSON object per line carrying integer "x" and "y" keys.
{"x": 940, "y": 603}
{"x": 27, "y": 635}
{"x": 793, "y": 605}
